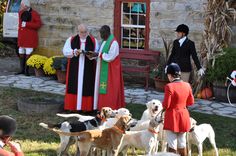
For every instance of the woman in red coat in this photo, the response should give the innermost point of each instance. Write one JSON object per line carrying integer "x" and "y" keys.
{"x": 29, "y": 23}
{"x": 178, "y": 95}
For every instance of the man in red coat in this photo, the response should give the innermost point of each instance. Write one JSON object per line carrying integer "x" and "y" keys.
{"x": 29, "y": 23}
{"x": 178, "y": 95}
{"x": 109, "y": 85}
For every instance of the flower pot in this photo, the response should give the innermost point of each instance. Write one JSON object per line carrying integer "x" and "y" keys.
{"x": 160, "y": 84}
{"x": 39, "y": 72}
{"x": 220, "y": 93}
{"x": 61, "y": 76}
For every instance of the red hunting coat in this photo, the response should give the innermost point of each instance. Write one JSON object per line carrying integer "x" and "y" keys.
{"x": 28, "y": 35}
{"x": 178, "y": 95}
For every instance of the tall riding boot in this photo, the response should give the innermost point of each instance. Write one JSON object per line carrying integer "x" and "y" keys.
{"x": 26, "y": 67}
{"x": 182, "y": 151}
{"x": 171, "y": 150}
{"x": 22, "y": 65}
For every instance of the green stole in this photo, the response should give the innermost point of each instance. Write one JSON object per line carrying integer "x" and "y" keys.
{"x": 104, "y": 67}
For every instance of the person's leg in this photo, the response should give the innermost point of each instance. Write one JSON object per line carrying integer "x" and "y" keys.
{"x": 185, "y": 76}
{"x": 181, "y": 144}
{"x": 171, "y": 138}
{"x": 28, "y": 53}
{"x": 22, "y": 60}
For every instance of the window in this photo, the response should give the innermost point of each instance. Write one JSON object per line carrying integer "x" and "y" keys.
{"x": 132, "y": 23}
{"x": 14, "y": 5}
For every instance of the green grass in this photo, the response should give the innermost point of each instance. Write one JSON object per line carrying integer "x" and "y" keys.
{"x": 37, "y": 141}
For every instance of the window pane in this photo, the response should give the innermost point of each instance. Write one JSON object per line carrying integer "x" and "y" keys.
{"x": 126, "y": 32}
{"x": 133, "y": 43}
{"x": 141, "y": 44}
{"x": 126, "y": 19}
{"x": 14, "y": 6}
{"x": 126, "y": 7}
{"x": 139, "y": 8}
{"x": 141, "y": 33}
{"x": 142, "y": 19}
{"x": 125, "y": 43}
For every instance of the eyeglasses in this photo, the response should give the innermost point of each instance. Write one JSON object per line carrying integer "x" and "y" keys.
{"x": 83, "y": 32}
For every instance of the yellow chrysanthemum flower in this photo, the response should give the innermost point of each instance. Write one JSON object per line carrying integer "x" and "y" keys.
{"x": 36, "y": 61}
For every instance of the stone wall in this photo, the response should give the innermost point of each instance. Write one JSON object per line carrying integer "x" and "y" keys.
{"x": 167, "y": 15}
{"x": 61, "y": 17}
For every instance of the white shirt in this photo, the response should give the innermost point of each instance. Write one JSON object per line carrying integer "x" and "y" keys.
{"x": 68, "y": 51}
{"x": 112, "y": 53}
{"x": 181, "y": 41}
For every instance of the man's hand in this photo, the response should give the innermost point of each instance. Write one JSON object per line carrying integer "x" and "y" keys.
{"x": 23, "y": 24}
{"x": 77, "y": 52}
{"x": 201, "y": 72}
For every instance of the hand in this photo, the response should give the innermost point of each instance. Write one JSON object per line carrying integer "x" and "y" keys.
{"x": 23, "y": 24}
{"x": 15, "y": 147}
{"x": 201, "y": 72}
{"x": 77, "y": 52}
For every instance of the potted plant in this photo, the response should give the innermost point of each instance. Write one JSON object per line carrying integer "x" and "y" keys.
{"x": 218, "y": 73}
{"x": 158, "y": 72}
{"x": 60, "y": 65}
{"x": 37, "y": 62}
{"x": 47, "y": 67}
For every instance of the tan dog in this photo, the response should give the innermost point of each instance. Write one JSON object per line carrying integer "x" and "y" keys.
{"x": 108, "y": 139}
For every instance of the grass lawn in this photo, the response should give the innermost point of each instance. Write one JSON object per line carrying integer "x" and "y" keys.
{"x": 37, "y": 141}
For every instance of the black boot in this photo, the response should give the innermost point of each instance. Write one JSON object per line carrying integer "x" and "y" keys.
{"x": 27, "y": 70}
{"x": 22, "y": 66}
{"x": 27, "y": 67}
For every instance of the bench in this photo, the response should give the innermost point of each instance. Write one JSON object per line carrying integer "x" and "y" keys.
{"x": 149, "y": 58}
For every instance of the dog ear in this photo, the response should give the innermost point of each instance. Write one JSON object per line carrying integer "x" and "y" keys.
{"x": 148, "y": 104}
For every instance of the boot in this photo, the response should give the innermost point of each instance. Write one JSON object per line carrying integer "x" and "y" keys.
{"x": 182, "y": 151}
{"x": 27, "y": 67}
{"x": 171, "y": 150}
{"x": 22, "y": 65}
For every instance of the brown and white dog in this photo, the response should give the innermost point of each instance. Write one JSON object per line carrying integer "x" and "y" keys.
{"x": 108, "y": 139}
{"x": 77, "y": 126}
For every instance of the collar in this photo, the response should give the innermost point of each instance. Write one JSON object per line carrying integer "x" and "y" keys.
{"x": 176, "y": 80}
{"x": 1, "y": 144}
{"x": 181, "y": 41}
{"x": 192, "y": 129}
{"x": 120, "y": 130}
{"x": 153, "y": 131}
{"x": 102, "y": 119}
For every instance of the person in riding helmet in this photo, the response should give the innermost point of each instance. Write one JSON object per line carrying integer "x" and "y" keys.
{"x": 183, "y": 49}
{"x": 178, "y": 95}
{"x": 7, "y": 130}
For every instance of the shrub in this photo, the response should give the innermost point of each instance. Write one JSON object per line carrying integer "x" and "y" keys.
{"x": 36, "y": 61}
{"x": 60, "y": 63}
{"x": 223, "y": 67}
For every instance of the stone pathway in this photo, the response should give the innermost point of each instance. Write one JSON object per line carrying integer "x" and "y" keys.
{"x": 132, "y": 94}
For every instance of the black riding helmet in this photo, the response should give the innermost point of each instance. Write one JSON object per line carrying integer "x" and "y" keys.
{"x": 182, "y": 28}
{"x": 7, "y": 125}
{"x": 173, "y": 69}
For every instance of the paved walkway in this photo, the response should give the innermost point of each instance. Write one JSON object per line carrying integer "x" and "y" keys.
{"x": 132, "y": 95}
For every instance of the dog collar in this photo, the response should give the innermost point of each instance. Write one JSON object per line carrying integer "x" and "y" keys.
{"x": 152, "y": 131}
{"x": 120, "y": 130}
{"x": 103, "y": 119}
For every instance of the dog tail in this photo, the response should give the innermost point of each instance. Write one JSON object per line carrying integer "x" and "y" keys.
{"x": 69, "y": 115}
{"x": 49, "y": 126}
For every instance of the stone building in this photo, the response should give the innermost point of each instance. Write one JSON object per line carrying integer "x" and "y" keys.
{"x": 139, "y": 28}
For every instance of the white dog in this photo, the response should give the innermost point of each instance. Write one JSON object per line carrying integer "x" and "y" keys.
{"x": 198, "y": 134}
{"x": 145, "y": 139}
{"x": 154, "y": 108}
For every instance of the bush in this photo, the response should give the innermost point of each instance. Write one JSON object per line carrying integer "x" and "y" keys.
{"x": 223, "y": 67}
{"x": 36, "y": 61}
{"x": 47, "y": 67}
{"x": 59, "y": 63}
